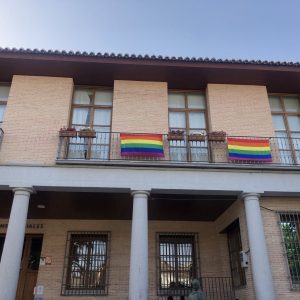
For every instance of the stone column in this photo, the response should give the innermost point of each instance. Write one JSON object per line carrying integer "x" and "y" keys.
{"x": 13, "y": 245}
{"x": 138, "y": 273}
{"x": 261, "y": 269}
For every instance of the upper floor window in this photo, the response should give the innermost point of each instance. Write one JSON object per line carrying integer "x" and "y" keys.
{"x": 92, "y": 107}
{"x": 286, "y": 120}
{"x": 187, "y": 112}
{"x": 4, "y": 93}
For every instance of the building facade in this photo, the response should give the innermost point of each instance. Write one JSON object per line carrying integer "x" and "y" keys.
{"x": 126, "y": 177}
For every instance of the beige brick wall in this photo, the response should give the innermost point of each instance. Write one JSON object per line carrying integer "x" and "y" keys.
{"x": 274, "y": 243}
{"x": 239, "y": 109}
{"x": 212, "y": 246}
{"x": 36, "y": 109}
{"x": 140, "y": 107}
{"x": 279, "y": 268}
{"x": 214, "y": 260}
{"x": 54, "y": 243}
{"x": 236, "y": 210}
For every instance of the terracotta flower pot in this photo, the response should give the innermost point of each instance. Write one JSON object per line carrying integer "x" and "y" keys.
{"x": 196, "y": 137}
{"x": 67, "y": 133}
{"x": 175, "y": 137}
{"x": 216, "y": 136}
{"x": 87, "y": 134}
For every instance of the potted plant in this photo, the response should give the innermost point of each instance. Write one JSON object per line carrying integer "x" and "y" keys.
{"x": 67, "y": 132}
{"x": 217, "y": 136}
{"x": 177, "y": 135}
{"x": 87, "y": 132}
{"x": 196, "y": 137}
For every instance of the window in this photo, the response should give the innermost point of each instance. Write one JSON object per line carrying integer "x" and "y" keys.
{"x": 290, "y": 229}
{"x": 187, "y": 112}
{"x": 86, "y": 264}
{"x": 177, "y": 262}
{"x": 4, "y": 93}
{"x": 286, "y": 121}
{"x": 92, "y": 108}
{"x": 234, "y": 247}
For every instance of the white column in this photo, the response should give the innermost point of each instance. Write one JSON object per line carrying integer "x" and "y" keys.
{"x": 138, "y": 274}
{"x": 261, "y": 269}
{"x": 13, "y": 245}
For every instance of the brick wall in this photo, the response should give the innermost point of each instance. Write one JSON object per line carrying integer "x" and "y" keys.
{"x": 269, "y": 207}
{"x": 36, "y": 109}
{"x": 214, "y": 260}
{"x": 211, "y": 245}
{"x": 236, "y": 210}
{"x": 140, "y": 106}
{"x": 278, "y": 261}
{"x": 239, "y": 109}
{"x": 211, "y": 249}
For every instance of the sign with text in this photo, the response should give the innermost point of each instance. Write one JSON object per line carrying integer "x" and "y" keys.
{"x": 28, "y": 226}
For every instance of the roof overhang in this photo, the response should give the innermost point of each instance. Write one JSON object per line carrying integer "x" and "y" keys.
{"x": 180, "y": 74}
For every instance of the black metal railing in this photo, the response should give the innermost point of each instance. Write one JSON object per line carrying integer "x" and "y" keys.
{"x": 213, "y": 288}
{"x": 107, "y": 146}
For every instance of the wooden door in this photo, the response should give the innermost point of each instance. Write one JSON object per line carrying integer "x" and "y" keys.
{"x": 29, "y": 267}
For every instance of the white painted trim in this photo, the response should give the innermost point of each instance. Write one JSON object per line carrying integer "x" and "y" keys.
{"x": 147, "y": 179}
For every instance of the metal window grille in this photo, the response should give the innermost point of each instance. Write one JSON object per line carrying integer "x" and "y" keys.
{"x": 290, "y": 229}
{"x": 86, "y": 263}
{"x": 177, "y": 255}
{"x": 234, "y": 247}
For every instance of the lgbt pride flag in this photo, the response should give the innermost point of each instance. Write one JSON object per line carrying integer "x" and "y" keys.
{"x": 141, "y": 145}
{"x": 249, "y": 149}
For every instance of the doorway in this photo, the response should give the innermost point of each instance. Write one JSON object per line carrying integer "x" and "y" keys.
{"x": 29, "y": 265}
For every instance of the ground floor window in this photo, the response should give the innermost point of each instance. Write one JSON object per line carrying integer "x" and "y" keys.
{"x": 177, "y": 262}
{"x": 86, "y": 263}
{"x": 290, "y": 229}
{"x": 234, "y": 247}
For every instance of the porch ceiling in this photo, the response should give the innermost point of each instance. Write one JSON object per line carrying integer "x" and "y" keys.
{"x": 118, "y": 206}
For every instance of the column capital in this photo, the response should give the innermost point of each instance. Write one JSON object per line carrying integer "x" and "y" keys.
{"x": 142, "y": 193}
{"x": 23, "y": 190}
{"x": 250, "y": 196}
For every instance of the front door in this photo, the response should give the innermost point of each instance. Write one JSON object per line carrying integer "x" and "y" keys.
{"x": 29, "y": 267}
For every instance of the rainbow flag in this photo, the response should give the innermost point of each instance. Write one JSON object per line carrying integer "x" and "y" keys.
{"x": 249, "y": 149}
{"x": 141, "y": 145}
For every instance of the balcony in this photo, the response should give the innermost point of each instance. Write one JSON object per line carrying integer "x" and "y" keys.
{"x": 183, "y": 150}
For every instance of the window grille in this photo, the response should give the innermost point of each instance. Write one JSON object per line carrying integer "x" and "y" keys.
{"x": 290, "y": 229}
{"x": 86, "y": 263}
{"x": 234, "y": 247}
{"x": 177, "y": 262}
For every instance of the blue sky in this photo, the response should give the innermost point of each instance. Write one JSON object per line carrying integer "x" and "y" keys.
{"x": 257, "y": 29}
